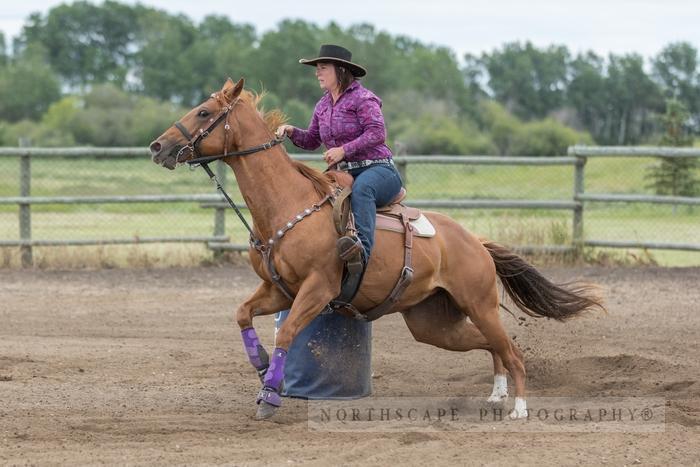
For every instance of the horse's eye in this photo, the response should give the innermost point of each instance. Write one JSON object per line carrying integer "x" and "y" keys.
{"x": 203, "y": 113}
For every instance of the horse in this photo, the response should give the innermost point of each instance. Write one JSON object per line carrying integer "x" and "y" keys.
{"x": 452, "y": 302}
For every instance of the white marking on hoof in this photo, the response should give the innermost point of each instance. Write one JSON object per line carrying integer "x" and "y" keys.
{"x": 520, "y": 409}
{"x": 500, "y": 389}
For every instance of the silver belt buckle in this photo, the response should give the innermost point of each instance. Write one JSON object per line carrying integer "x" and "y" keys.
{"x": 342, "y": 165}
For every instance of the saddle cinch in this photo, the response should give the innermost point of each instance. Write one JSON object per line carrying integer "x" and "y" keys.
{"x": 395, "y": 217}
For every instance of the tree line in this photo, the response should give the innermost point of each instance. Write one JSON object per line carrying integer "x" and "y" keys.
{"x": 118, "y": 74}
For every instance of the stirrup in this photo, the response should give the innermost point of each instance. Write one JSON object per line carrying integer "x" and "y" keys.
{"x": 350, "y": 249}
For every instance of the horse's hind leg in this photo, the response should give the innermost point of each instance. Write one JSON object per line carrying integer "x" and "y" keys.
{"x": 499, "y": 393}
{"x": 445, "y": 328}
{"x": 479, "y": 300}
{"x": 436, "y": 321}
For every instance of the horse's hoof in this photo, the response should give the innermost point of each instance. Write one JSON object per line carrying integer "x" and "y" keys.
{"x": 517, "y": 414}
{"x": 520, "y": 409}
{"x": 497, "y": 399}
{"x": 265, "y": 411}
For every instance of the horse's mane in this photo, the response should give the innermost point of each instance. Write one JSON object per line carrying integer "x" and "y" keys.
{"x": 323, "y": 184}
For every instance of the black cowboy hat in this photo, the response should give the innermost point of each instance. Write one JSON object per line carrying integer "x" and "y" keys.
{"x": 337, "y": 54}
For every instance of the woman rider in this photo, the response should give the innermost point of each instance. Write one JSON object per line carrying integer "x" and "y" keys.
{"x": 348, "y": 120}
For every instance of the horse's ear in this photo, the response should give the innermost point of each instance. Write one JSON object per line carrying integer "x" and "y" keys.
{"x": 230, "y": 90}
{"x": 228, "y": 84}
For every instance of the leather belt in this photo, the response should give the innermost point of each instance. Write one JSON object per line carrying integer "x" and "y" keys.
{"x": 345, "y": 166}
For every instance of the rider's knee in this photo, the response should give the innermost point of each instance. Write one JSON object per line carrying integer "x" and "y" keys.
{"x": 363, "y": 191}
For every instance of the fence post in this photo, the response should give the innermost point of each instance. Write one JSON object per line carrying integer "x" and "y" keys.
{"x": 25, "y": 213}
{"x": 578, "y": 210}
{"x": 220, "y": 212}
{"x": 402, "y": 165}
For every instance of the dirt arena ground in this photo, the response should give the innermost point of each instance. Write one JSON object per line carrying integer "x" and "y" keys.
{"x": 146, "y": 367}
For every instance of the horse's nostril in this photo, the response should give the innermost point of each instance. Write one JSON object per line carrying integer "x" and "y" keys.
{"x": 155, "y": 148}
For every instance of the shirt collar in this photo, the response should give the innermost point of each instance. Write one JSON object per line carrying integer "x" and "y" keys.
{"x": 354, "y": 85}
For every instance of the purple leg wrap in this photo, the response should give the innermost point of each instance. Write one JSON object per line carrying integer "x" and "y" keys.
{"x": 273, "y": 379}
{"x": 269, "y": 396}
{"x": 256, "y": 352}
{"x": 275, "y": 373}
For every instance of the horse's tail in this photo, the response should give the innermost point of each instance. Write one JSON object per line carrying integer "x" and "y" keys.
{"x": 534, "y": 294}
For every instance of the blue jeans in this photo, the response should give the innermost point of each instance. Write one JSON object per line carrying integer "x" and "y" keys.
{"x": 374, "y": 186}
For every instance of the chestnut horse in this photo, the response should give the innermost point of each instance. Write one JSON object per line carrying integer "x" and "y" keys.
{"x": 455, "y": 276}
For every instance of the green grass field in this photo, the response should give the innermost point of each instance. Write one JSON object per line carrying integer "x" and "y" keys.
{"x": 602, "y": 221}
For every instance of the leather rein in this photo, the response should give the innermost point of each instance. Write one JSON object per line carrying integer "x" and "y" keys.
{"x": 192, "y": 146}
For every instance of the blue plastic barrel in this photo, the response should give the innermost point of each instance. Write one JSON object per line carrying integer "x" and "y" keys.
{"x": 330, "y": 359}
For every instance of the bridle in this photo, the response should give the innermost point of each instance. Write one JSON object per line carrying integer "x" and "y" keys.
{"x": 193, "y": 141}
{"x": 264, "y": 248}
{"x": 192, "y": 147}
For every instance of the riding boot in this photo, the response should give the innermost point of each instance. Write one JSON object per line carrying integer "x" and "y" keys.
{"x": 351, "y": 251}
{"x": 350, "y": 248}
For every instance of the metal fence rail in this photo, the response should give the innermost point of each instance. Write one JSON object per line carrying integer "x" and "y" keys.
{"x": 577, "y": 158}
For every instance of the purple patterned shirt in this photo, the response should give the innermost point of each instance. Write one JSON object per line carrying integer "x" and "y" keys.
{"x": 354, "y": 122}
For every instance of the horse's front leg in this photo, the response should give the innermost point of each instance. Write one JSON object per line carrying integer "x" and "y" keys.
{"x": 315, "y": 292}
{"x": 266, "y": 300}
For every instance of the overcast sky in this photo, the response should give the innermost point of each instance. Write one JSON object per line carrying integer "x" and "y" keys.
{"x": 474, "y": 26}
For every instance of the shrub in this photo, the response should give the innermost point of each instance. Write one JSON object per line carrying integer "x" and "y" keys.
{"x": 442, "y": 135}
{"x": 546, "y": 138}
{"x": 512, "y": 137}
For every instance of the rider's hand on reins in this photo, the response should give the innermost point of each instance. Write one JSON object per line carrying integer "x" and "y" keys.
{"x": 284, "y": 130}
